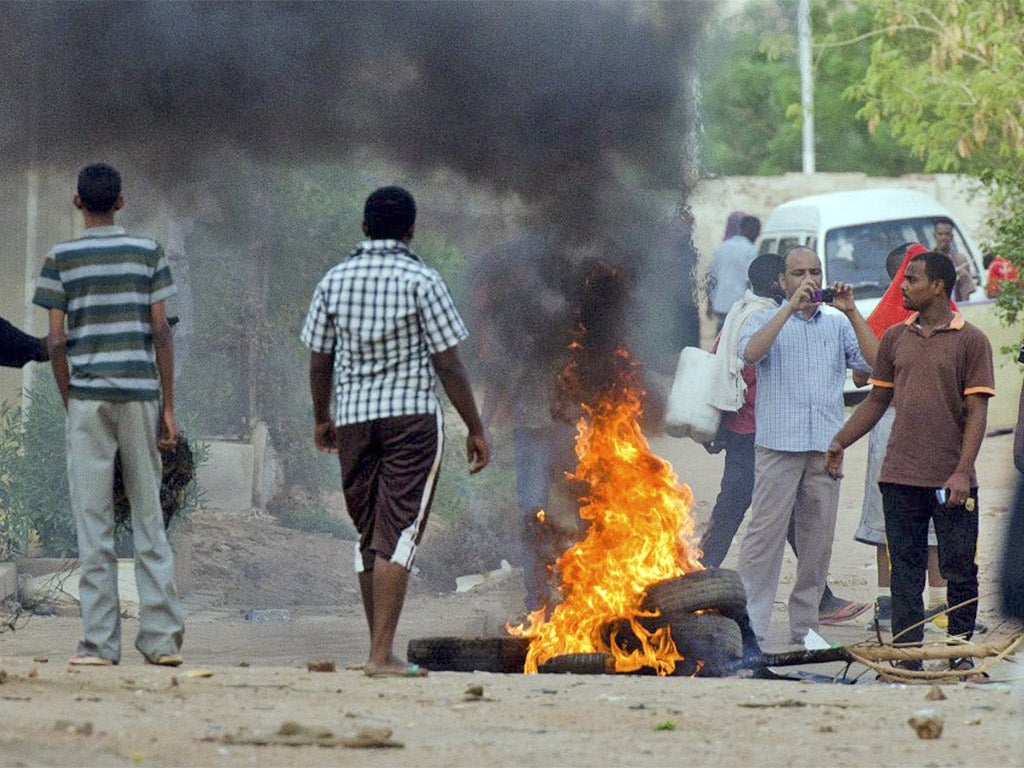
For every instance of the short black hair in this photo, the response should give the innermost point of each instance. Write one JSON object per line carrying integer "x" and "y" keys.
{"x": 750, "y": 227}
{"x": 389, "y": 213}
{"x": 763, "y": 271}
{"x": 894, "y": 260}
{"x": 938, "y": 266}
{"x": 99, "y": 186}
{"x": 944, "y": 220}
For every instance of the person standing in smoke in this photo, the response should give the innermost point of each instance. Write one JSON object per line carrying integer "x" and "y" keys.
{"x": 382, "y": 328}
{"x": 523, "y": 316}
{"x": 114, "y": 367}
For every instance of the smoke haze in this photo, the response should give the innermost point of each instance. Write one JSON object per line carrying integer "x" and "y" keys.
{"x": 537, "y": 98}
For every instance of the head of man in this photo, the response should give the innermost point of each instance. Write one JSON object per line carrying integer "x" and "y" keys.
{"x": 750, "y": 227}
{"x": 894, "y": 260}
{"x": 99, "y": 189}
{"x": 763, "y": 274}
{"x": 930, "y": 277}
{"x": 801, "y": 266}
{"x": 943, "y": 234}
{"x": 389, "y": 214}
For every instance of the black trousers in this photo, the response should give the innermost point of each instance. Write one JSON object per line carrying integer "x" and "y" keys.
{"x": 907, "y": 512}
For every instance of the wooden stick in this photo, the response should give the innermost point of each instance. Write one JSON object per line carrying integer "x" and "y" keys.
{"x": 874, "y": 653}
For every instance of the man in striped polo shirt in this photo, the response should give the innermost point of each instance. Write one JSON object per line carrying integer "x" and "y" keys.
{"x": 112, "y": 356}
{"x": 382, "y": 328}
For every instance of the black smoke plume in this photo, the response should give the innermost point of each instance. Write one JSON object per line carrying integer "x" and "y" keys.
{"x": 543, "y": 99}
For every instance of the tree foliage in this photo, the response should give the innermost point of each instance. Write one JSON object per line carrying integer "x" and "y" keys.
{"x": 945, "y": 76}
{"x": 750, "y": 94}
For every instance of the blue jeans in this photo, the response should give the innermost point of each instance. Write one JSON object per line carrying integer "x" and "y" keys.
{"x": 733, "y": 499}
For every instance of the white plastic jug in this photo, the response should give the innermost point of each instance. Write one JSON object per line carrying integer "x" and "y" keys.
{"x": 688, "y": 413}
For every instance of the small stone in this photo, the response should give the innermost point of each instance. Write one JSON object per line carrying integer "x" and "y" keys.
{"x": 935, "y": 694}
{"x": 320, "y": 666}
{"x": 927, "y": 723}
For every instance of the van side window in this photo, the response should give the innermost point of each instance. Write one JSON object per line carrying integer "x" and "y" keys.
{"x": 856, "y": 254}
{"x": 767, "y": 246}
{"x": 786, "y": 244}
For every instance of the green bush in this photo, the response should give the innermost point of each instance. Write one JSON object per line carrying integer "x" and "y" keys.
{"x": 34, "y": 493}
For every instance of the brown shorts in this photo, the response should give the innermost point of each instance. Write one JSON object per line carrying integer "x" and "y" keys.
{"x": 389, "y": 470}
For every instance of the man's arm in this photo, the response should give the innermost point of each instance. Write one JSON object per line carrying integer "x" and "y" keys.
{"x": 321, "y": 377}
{"x": 453, "y": 378}
{"x": 163, "y": 345}
{"x": 18, "y": 347}
{"x": 859, "y": 424}
{"x": 763, "y": 339}
{"x": 965, "y": 284}
{"x": 959, "y": 483}
{"x": 1018, "y": 435}
{"x": 57, "y": 345}
{"x": 847, "y": 304}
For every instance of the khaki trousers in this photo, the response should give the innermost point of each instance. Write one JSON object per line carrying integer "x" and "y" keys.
{"x": 788, "y": 484}
{"x": 95, "y": 431}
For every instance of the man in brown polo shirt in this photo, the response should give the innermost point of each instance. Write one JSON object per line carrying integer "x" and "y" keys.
{"x": 936, "y": 370}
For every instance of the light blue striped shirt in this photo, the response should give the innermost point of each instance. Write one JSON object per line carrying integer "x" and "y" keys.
{"x": 106, "y": 282}
{"x": 799, "y": 405}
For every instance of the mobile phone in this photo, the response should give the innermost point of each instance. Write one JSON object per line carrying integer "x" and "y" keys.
{"x": 941, "y": 495}
{"x": 824, "y": 295}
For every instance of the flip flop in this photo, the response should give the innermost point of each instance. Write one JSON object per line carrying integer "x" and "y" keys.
{"x": 410, "y": 670}
{"x": 847, "y": 611}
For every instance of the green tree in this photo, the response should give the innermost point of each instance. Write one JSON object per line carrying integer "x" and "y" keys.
{"x": 945, "y": 77}
{"x": 750, "y": 94}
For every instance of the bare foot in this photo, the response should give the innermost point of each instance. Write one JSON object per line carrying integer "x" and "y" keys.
{"x": 394, "y": 668}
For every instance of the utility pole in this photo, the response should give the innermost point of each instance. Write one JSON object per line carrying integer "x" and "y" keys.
{"x": 803, "y": 31}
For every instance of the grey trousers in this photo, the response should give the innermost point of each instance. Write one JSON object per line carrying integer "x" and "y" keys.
{"x": 788, "y": 484}
{"x": 95, "y": 432}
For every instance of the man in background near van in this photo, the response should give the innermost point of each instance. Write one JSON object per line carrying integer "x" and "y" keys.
{"x": 936, "y": 370}
{"x": 801, "y": 352}
{"x": 727, "y": 275}
{"x": 944, "y": 244}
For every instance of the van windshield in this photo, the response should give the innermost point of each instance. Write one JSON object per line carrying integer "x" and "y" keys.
{"x": 856, "y": 254}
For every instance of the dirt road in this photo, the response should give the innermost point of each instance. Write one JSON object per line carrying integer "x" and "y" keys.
{"x": 135, "y": 714}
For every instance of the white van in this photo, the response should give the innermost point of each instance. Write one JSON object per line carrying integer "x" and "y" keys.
{"x": 853, "y": 232}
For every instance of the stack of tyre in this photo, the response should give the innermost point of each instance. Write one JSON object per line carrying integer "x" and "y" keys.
{"x": 706, "y": 612}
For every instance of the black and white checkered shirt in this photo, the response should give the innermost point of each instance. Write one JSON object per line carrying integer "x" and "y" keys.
{"x": 383, "y": 313}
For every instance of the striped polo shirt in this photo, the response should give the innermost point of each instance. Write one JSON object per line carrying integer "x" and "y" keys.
{"x": 383, "y": 314}
{"x": 105, "y": 282}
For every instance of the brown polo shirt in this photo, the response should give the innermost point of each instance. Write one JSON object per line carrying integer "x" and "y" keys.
{"x": 930, "y": 377}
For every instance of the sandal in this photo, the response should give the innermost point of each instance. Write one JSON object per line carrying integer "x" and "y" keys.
{"x": 966, "y": 665}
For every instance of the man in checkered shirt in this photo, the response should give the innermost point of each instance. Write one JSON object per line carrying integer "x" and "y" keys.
{"x": 382, "y": 328}
{"x": 800, "y": 352}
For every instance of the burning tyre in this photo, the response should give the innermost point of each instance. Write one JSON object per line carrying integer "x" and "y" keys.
{"x": 717, "y": 589}
{"x": 469, "y": 654}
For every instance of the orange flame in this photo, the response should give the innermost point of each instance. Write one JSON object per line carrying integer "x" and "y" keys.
{"x": 638, "y": 533}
